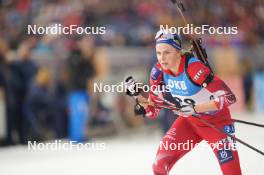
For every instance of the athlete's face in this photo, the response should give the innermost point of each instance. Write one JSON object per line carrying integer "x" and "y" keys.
{"x": 167, "y": 56}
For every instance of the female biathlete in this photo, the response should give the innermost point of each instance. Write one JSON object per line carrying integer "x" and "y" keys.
{"x": 187, "y": 78}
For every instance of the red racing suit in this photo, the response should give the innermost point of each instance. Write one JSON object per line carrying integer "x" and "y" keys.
{"x": 184, "y": 89}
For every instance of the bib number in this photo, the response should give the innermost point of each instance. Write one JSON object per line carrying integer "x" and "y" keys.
{"x": 189, "y": 101}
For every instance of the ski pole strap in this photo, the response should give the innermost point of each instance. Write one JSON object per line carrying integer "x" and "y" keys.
{"x": 208, "y": 79}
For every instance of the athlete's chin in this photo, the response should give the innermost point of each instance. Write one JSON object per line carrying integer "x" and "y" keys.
{"x": 164, "y": 66}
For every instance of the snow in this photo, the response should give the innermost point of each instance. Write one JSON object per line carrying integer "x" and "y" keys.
{"x": 130, "y": 155}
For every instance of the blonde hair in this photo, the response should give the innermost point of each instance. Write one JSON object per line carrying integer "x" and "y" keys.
{"x": 44, "y": 76}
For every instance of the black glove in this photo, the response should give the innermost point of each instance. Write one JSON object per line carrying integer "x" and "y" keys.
{"x": 132, "y": 88}
{"x": 139, "y": 110}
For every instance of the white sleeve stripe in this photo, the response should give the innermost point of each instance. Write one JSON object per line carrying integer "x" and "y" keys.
{"x": 222, "y": 100}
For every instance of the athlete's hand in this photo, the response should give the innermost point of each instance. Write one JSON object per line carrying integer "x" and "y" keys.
{"x": 139, "y": 110}
{"x": 141, "y": 104}
{"x": 187, "y": 110}
{"x": 131, "y": 85}
{"x": 145, "y": 102}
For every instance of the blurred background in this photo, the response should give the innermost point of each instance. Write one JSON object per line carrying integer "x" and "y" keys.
{"x": 46, "y": 81}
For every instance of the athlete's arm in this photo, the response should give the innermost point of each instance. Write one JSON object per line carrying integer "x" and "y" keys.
{"x": 224, "y": 97}
{"x": 155, "y": 80}
{"x": 205, "y": 107}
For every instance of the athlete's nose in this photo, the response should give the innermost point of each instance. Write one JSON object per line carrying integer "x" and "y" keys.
{"x": 162, "y": 57}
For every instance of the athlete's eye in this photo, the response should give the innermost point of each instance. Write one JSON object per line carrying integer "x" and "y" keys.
{"x": 166, "y": 52}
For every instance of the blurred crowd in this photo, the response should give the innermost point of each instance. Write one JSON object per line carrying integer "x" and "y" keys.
{"x": 128, "y": 22}
{"x": 38, "y": 72}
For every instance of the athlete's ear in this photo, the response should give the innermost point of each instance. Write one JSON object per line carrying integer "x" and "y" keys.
{"x": 185, "y": 52}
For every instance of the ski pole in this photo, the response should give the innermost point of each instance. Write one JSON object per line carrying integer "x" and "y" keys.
{"x": 231, "y": 136}
{"x": 248, "y": 123}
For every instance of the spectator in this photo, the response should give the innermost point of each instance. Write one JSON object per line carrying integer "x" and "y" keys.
{"x": 61, "y": 95}
{"x": 5, "y": 136}
{"x": 23, "y": 69}
{"x": 81, "y": 71}
{"x": 41, "y": 108}
{"x": 247, "y": 75}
